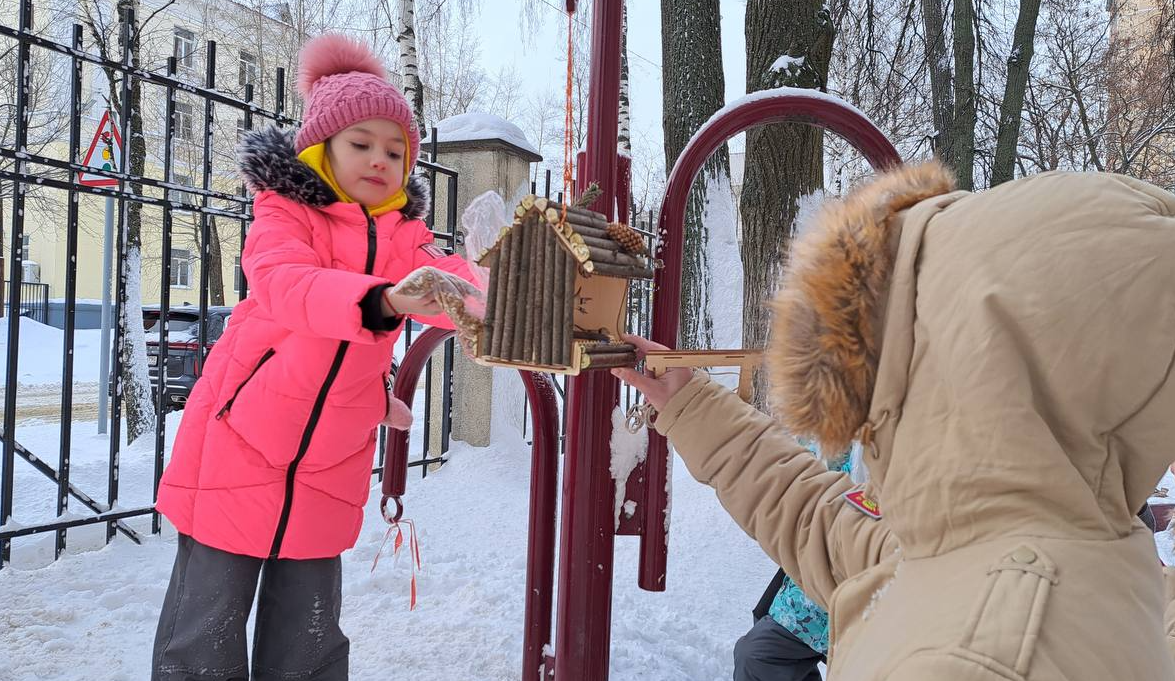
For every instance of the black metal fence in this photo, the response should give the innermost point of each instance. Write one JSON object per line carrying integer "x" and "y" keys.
{"x": 23, "y": 169}
{"x": 33, "y": 302}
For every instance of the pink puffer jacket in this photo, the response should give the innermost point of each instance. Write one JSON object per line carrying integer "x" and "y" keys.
{"x": 274, "y": 454}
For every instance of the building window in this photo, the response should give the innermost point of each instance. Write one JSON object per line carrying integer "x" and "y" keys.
{"x": 24, "y": 247}
{"x": 181, "y": 268}
{"x": 241, "y": 129}
{"x": 237, "y": 277}
{"x": 247, "y": 69}
{"x": 185, "y": 123}
{"x": 179, "y": 195}
{"x": 185, "y": 48}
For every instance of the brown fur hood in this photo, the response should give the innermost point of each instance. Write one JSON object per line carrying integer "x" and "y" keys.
{"x": 826, "y": 338}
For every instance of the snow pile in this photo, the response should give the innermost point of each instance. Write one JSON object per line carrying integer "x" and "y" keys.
{"x": 41, "y": 352}
{"x": 787, "y": 63}
{"x": 628, "y": 451}
{"x": 468, "y": 127}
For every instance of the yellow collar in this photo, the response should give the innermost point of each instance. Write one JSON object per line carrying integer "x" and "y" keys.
{"x": 315, "y": 157}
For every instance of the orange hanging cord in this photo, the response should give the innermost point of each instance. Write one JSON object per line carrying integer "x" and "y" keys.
{"x": 568, "y": 121}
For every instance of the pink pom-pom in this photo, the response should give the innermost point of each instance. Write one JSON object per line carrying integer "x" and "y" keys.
{"x": 333, "y": 53}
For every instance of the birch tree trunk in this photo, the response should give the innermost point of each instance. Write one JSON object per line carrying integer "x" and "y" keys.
{"x": 783, "y": 162}
{"x": 1012, "y": 106}
{"x": 136, "y": 390}
{"x": 409, "y": 70}
{"x": 693, "y": 89}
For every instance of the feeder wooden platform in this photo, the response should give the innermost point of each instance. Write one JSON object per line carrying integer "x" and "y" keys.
{"x": 745, "y": 360}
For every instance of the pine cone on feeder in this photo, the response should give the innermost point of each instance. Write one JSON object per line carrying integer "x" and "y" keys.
{"x": 627, "y": 237}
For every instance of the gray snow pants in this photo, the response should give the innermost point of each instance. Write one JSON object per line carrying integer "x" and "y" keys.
{"x": 769, "y": 652}
{"x": 201, "y": 635}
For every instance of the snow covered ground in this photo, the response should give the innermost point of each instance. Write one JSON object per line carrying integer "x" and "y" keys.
{"x": 92, "y": 614}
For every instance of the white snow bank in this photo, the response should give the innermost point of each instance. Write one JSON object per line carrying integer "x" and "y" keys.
{"x": 41, "y": 353}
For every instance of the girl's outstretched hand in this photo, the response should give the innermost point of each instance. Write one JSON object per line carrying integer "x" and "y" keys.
{"x": 657, "y": 390}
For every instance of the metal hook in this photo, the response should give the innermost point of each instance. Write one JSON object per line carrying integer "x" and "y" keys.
{"x": 383, "y": 508}
{"x": 638, "y": 416}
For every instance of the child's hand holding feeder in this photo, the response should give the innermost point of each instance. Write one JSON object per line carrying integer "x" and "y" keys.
{"x": 658, "y": 390}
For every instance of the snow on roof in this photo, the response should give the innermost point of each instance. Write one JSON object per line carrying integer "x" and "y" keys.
{"x": 468, "y": 127}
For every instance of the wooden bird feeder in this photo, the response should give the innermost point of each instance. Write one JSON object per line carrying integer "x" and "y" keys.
{"x": 558, "y": 290}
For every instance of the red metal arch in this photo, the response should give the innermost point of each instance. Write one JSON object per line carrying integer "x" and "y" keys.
{"x": 762, "y": 108}
{"x": 544, "y": 419}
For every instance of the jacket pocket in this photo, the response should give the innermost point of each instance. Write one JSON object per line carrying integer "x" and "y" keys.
{"x": 1004, "y": 624}
{"x": 241, "y": 386}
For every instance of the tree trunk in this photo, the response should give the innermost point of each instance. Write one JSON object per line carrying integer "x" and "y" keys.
{"x": 963, "y": 129}
{"x": 693, "y": 90}
{"x": 406, "y": 38}
{"x": 624, "y": 129}
{"x": 136, "y": 391}
{"x": 783, "y": 162}
{"x": 1007, "y": 138}
{"x": 215, "y": 265}
{"x": 939, "y": 65}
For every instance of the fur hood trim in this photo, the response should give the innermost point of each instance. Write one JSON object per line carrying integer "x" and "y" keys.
{"x": 267, "y": 161}
{"x": 826, "y": 336}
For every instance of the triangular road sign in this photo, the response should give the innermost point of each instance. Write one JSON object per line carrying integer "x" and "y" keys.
{"x": 104, "y": 153}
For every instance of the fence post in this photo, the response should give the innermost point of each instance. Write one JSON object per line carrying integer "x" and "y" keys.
{"x": 490, "y": 163}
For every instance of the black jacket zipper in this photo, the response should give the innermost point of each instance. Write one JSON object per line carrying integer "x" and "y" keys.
{"x": 316, "y": 411}
{"x": 229, "y": 405}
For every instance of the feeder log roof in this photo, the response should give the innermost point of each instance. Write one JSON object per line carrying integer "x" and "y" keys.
{"x": 585, "y": 235}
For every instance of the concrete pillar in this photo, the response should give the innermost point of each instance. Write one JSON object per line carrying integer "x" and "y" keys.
{"x": 489, "y": 154}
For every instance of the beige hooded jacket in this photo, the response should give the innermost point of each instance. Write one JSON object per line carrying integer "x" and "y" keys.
{"x": 1006, "y": 359}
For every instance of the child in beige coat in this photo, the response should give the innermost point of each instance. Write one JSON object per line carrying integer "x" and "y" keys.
{"x": 1006, "y": 359}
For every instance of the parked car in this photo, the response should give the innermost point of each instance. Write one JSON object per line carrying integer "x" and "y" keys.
{"x": 184, "y": 362}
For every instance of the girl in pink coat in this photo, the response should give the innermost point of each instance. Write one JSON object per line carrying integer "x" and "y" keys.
{"x": 272, "y": 462}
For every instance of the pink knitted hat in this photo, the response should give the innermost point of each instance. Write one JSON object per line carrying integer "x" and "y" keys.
{"x": 343, "y": 83}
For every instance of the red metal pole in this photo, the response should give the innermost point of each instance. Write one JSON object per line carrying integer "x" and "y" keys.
{"x": 760, "y": 108}
{"x": 540, "y": 549}
{"x": 582, "y": 639}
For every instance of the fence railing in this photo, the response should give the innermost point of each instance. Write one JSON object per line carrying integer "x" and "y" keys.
{"x": 25, "y": 169}
{"x": 33, "y": 302}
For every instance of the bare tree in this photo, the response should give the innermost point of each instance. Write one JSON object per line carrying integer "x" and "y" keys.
{"x": 1065, "y": 99}
{"x": 46, "y": 104}
{"x": 624, "y": 123}
{"x": 1140, "y": 134}
{"x": 692, "y": 90}
{"x": 788, "y": 44}
{"x": 104, "y": 30}
{"x": 879, "y": 66}
{"x": 503, "y": 94}
{"x": 1016, "y": 83}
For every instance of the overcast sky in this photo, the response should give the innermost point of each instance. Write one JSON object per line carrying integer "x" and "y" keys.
{"x": 501, "y": 31}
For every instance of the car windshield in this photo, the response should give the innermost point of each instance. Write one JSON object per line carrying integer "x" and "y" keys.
{"x": 184, "y": 328}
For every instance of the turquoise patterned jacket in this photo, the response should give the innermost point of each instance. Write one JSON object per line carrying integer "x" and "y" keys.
{"x": 797, "y": 613}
